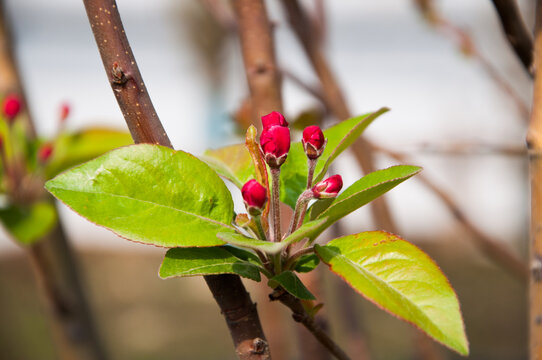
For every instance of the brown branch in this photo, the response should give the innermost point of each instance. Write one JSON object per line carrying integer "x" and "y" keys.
{"x": 494, "y": 250}
{"x": 300, "y": 315}
{"x": 534, "y": 145}
{"x": 120, "y": 65}
{"x": 58, "y": 275}
{"x": 259, "y": 57}
{"x": 516, "y": 32}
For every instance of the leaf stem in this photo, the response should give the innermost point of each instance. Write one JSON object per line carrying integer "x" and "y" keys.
{"x": 311, "y": 164}
{"x": 300, "y": 208}
{"x": 275, "y": 203}
{"x": 261, "y": 231}
{"x": 293, "y": 258}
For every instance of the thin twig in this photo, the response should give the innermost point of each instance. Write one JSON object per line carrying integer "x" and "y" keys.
{"x": 489, "y": 246}
{"x": 120, "y": 65}
{"x": 300, "y": 315}
{"x": 534, "y": 145}
{"x": 516, "y": 32}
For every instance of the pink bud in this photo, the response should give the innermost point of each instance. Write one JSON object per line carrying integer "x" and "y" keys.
{"x": 64, "y": 112}
{"x": 272, "y": 119}
{"x": 11, "y": 107}
{"x": 45, "y": 152}
{"x": 328, "y": 188}
{"x": 255, "y": 196}
{"x": 313, "y": 141}
{"x": 275, "y": 144}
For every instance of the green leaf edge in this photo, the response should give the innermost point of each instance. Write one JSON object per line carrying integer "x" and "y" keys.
{"x": 273, "y": 282}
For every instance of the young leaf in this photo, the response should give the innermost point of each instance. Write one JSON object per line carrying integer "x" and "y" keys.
{"x": 75, "y": 148}
{"x": 242, "y": 254}
{"x": 294, "y": 171}
{"x": 148, "y": 193}
{"x": 402, "y": 280}
{"x": 232, "y": 162}
{"x": 243, "y": 241}
{"x": 364, "y": 191}
{"x": 345, "y": 142}
{"x": 29, "y": 224}
{"x": 205, "y": 261}
{"x": 307, "y": 263}
{"x": 291, "y": 283}
{"x": 304, "y": 231}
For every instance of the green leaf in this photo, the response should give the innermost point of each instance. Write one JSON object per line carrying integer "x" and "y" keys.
{"x": 71, "y": 149}
{"x": 243, "y": 241}
{"x": 232, "y": 162}
{"x": 205, "y": 261}
{"x": 291, "y": 283}
{"x": 293, "y": 172}
{"x": 243, "y": 254}
{"x": 149, "y": 194}
{"x": 345, "y": 142}
{"x": 307, "y": 263}
{"x": 364, "y": 191}
{"x": 401, "y": 279}
{"x": 29, "y": 224}
{"x": 305, "y": 231}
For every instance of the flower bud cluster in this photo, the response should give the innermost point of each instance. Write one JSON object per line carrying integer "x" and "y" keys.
{"x": 274, "y": 145}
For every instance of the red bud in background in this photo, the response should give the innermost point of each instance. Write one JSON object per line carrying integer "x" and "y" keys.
{"x": 328, "y": 188}
{"x": 11, "y": 107}
{"x": 273, "y": 119}
{"x": 64, "y": 111}
{"x": 254, "y": 196}
{"x": 45, "y": 152}
{"x": 313, "y": 141}
{"x": 275, "y": 144}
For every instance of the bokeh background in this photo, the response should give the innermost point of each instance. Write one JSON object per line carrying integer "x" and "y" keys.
{"x": 458, "y": 112}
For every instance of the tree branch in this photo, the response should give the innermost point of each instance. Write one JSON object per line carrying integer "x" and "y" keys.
{"x": 534, "y": 145}
{"x": 300, "y": 315}
{"x": 490, "y": 247}
{"x": 145, "y": 126}
{"x": 516, "y": 32}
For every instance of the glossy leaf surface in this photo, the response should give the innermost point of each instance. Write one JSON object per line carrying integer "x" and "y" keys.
{"x": 291, "y": 283}
{"x": 150, "y": 194}
{"x": 401, "y": 279}
{"x": 244, "y": 241}
{"x": 205, "y": 261}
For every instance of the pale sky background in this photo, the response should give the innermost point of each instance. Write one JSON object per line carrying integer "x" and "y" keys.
{"x": 383, "y": 54}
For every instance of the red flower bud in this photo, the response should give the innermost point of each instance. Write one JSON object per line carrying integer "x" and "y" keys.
{"x": 275, "y": 144}
{"x": 45, "y": 152}
{"x": 272, "y": 119}
{"x": 255, "y": 196}
{"x": 313, "y": 141}
{"x": 328, "y": 188}
{"x": 11, "y": 107}
{"x": 64, "y": 112}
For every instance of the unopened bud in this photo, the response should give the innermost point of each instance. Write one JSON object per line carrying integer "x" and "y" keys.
{"x": 328, "y": 188}
{"x": 45, "y": 152}
{"x": 11, "y": 107}
{"x": 272, "y": 119}
{"x": 254, "y": 196}
{"x": 313, "y": 141}
{"x": 275, "y": 144}
{"x": 64, "y": 112}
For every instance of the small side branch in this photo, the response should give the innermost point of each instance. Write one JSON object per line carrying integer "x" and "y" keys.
{"x": 300, "y": 315}
{"x": 516, "y": 32}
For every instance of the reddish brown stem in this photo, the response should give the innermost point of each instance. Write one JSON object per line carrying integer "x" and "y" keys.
{"x": 516, "y": 32}
{"x": 261, "y": 70}
{"x": 534, "y": 145}
{"x": 145, "y": 126}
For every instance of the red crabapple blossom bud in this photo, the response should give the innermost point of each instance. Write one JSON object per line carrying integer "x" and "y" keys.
{"x": 275, "y": 144}
{"x": 272, "y": 119}
{"x": 313, "y": 141}
{"x": 64, "y": 112}
{"x": 328, "y": 188}
{"x": 254, "y": 196}
{"x": 11, "y": 107}
{"x": 45, "y": 152}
